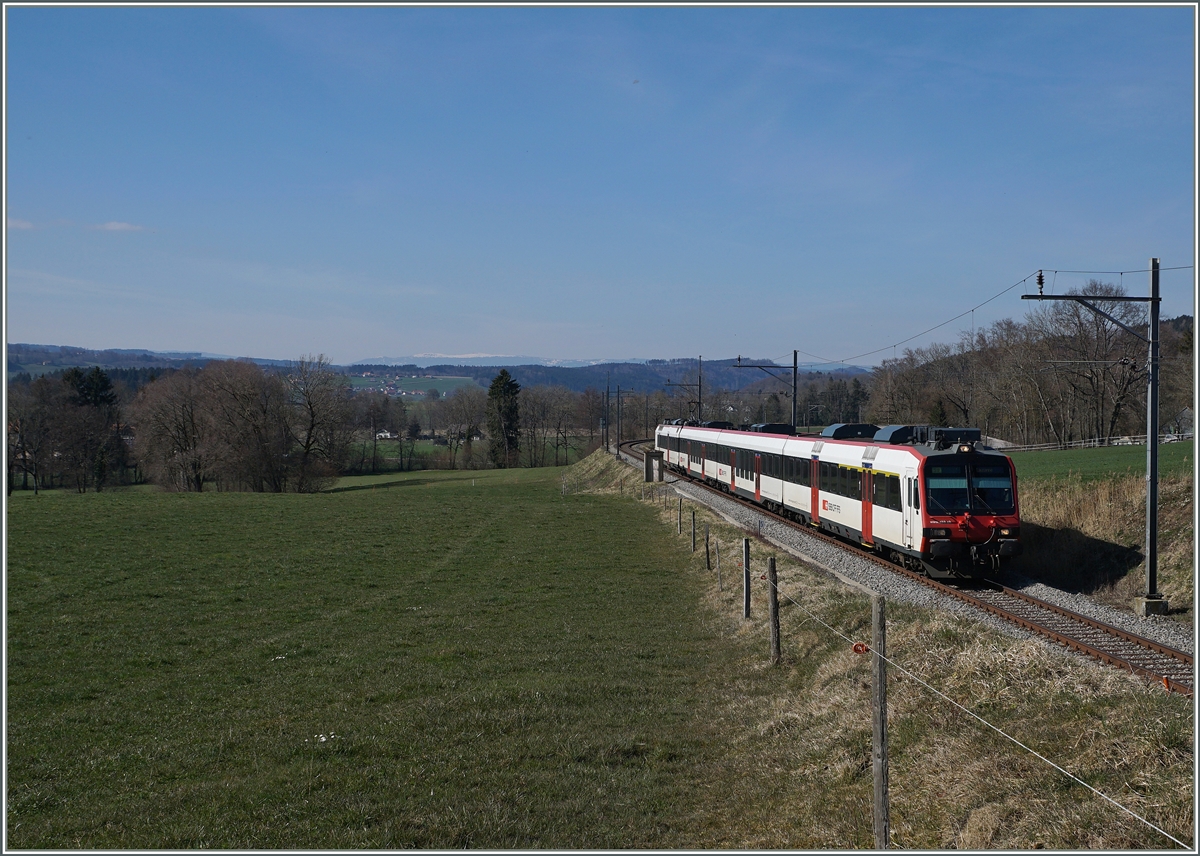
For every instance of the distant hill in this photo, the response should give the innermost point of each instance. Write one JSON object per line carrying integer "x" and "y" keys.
{"x": 41, "y": 359}
{"x": 494, "y": 360}
{"x": 577, "y": 375}
{"x": 648, "y": 376}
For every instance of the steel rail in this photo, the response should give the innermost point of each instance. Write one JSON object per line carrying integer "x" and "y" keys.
{"x": 1105, "y": 643}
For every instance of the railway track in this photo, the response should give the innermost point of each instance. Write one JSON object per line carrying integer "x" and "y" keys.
{"x": 1110, "y": 645}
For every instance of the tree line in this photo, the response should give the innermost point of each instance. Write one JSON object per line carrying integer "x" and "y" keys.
{"x": 1061, "y": 374}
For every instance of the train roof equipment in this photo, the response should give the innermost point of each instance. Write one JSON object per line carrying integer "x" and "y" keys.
{"x": 851, "y": 431}
{"x": 773, "y": 428}
{"x": 930, "y": 435}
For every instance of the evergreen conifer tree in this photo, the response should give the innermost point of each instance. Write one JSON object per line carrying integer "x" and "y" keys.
{"x": 503, "y": 419}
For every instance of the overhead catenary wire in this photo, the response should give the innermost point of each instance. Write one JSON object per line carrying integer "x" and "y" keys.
{"x": 895, "y": 345}
{"x": 971, "y": 311}
{"x": 1139, "y": 270}
{"x": 979, "y": 718}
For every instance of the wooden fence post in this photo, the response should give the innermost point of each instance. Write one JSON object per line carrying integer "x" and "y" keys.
{"x": 693, "y": 530}
{"x": 681, "y": 515}
{"x": 745, "y": 578}
{"x": 879, "y": 753}
{"x": 720, "y": 587}
{"x": 773, "y": 601}
{"x": 707, "y": 556}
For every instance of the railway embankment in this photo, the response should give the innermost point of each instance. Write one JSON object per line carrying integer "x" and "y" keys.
{"x": 1087, "y": 537}
{"x": 956, "y": 781}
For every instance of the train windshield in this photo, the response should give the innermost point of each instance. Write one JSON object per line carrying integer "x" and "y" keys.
{"x": 982, "y": 488}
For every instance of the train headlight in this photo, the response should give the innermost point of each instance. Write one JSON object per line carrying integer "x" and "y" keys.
{"x": 937, "y": 533}
{"x": 1007, "y": 532}
{"x": 965, "y": 447}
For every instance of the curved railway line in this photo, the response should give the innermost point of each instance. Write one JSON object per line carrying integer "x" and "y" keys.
{"x": 1111, "y": 645}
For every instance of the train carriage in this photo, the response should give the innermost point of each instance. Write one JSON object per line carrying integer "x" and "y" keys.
{"x": 933, "y": 499}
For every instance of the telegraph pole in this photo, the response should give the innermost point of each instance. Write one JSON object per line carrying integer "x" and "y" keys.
{"x": 1151, "y": 602}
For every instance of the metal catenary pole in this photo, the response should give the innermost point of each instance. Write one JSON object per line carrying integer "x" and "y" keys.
{"x": 618, "y": 448}
{"x": 605, "y": 426}
{"x": 1152, "y": 444}
{"x": 699, "y": 387}
{"x": 795, "y": 374}
{"x": 1152, "y": 601}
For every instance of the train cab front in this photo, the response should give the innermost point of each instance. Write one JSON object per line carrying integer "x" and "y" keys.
{"x": 970, "y": 521}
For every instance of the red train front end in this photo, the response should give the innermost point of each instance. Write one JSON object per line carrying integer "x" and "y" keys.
{"x": 970, "y": 516}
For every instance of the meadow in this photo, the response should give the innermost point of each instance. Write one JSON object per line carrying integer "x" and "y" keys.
{"x": 514, "y": 659}
{"x": 1103, "y": 463}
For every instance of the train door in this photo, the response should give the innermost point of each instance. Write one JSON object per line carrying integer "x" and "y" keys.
{"x": 868, "y": 479}
{"x": 815, "y": 478}
{"x": 912, "y": 515}
{"x": 733, "y": 470}
{"x": 757, "y": 477}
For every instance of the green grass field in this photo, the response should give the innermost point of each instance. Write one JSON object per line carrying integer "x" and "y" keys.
{"x": 471, "y": 659}
{"x": 1105, "y": 462}
{"x": 487, "y": 666}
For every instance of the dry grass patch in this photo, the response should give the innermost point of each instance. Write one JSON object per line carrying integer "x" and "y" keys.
{"x": 797, "y": 770}
{"x": 1088, "y": 536}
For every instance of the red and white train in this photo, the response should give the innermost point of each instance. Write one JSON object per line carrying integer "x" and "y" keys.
{"x": 936, "y": 500}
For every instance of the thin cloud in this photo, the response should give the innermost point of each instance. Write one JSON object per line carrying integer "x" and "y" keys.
{"x": 14, "y": 223}
{"x": 116, "y": 226}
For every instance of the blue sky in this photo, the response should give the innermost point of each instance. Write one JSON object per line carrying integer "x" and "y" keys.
{"x": 582, "y": 182}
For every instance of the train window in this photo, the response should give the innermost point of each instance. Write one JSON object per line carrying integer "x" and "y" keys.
{"x": 991, "y": 488}
{"x": 854, "y": 483}
{"x": 886, "y": 491}
{"x": 947, "y": 487}
{"x": 843, "y": 485}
